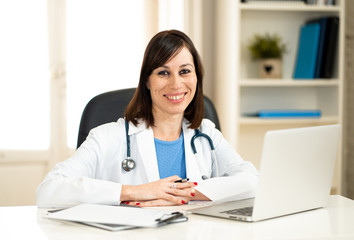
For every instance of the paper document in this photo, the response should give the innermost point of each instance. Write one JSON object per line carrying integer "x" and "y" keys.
{"x": 230, "y": 188}
{"x": 118, "y": 215}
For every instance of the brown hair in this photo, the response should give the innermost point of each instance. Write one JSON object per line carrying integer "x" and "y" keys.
{"x": 160, "y": 49}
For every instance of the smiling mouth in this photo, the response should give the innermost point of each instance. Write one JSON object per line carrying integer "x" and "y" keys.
{"x": 175, "y": 97}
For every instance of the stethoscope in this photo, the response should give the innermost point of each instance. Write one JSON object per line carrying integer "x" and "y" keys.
{"x": 212, "y": 149}
{"x": 129, "y": 164}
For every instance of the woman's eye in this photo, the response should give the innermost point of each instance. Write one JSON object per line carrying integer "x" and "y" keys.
{"x": 162, "y": 73}
{"x": 185, "y": 71}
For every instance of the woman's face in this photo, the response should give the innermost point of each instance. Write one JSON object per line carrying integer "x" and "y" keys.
{"x": 173, "y": 85}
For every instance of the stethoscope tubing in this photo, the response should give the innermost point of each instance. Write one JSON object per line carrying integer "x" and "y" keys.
{"x": 128, "y": 164}
{"x": 127, "y": 137}
{"x": 212, "y": 149}
{"x": 200, "y": 134}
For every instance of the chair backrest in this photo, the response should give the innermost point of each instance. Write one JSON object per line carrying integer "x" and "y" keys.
{"x": 108, "y": 107}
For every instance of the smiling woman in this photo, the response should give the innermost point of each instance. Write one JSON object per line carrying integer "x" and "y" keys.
{"x": 172, "y": 86}
{"x": 165, "y": 113}
{"x": 170, "y": 59}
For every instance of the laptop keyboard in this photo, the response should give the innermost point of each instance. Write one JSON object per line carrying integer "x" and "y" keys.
{"x": 247, "y": 211}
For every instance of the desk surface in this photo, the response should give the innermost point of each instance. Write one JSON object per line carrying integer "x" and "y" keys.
{"x": 336, "y": 221}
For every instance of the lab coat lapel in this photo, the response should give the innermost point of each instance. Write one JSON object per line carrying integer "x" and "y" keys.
{"x": 146, "y": 149}
{"x": 192, "y": 167}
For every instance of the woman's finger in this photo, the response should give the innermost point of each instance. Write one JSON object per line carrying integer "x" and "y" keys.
{"x": 187, "y": 192}
{"x": 186, "y": 185}
{"x": 165, "y": 188}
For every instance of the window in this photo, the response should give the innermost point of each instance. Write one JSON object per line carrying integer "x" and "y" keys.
{"x": 24, "y": 75}
{"x": 105, "y": 47}
{"x": 99, "y": 44}
{"x": 171, "y": 15}
{"x": 105, "y": 42}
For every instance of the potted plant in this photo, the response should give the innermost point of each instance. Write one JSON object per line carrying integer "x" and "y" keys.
{"x": 268, "y": 50}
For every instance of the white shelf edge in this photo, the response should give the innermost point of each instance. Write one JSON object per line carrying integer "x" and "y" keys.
{"x": 286, "y": 82}
{"x": 272, "y": 121}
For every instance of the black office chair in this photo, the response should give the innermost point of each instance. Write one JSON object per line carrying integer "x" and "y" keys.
{"x": 108, "y": 107}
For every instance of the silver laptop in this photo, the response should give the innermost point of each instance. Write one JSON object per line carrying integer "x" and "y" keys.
{"x": 296, "y": 172}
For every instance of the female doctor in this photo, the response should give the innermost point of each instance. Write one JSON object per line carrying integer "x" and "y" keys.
{"x": 159, "y": 123}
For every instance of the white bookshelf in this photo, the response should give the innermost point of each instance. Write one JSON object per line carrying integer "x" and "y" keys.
{"x": 253, "y": 82}
{"x": 240, "y": 91}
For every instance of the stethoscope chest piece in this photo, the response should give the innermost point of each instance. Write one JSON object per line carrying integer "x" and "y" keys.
{"x": 128, "y": 164}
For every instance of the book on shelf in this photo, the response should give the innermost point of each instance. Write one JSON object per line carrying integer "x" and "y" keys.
{"x": 286, "y": 113}
{"x": 323, "y": 25}
{"x": 327, "y": 46}
{"x": 330, "y": 47}
{"x": 321, "y": 2}
{"x": 307, "y": 51}
{"x": 309, "y": 2}
{"x": 274, "y": 1}
{"x": 317, "y": 48}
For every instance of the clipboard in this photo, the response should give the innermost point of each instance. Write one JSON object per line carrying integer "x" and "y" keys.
{"x": 115, "y": 218}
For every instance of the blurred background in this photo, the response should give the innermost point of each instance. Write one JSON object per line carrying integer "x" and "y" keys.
{"x": 55, "y": 55}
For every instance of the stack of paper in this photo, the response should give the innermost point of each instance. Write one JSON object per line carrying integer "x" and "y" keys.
{"x": 117, "y": 217}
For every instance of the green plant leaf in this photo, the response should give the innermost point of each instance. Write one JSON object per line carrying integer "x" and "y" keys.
{"x": 267, "y": 46}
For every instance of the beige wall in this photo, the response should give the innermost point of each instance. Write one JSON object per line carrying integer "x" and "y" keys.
{"x": 19, "y": 183}
{"x": 208, "y": 47}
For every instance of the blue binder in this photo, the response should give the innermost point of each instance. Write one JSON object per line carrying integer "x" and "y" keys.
{"x": 307, "y": 51}
{"x": 321, "y": 46}
{"x": 314, "y": 113}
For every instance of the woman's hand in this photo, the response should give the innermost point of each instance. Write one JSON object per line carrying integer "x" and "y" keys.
{"x": 163, "y": 192}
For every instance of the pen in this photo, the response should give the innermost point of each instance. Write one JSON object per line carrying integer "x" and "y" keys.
{"x": 165, "y": 219}
{"x": 182, "y": 180}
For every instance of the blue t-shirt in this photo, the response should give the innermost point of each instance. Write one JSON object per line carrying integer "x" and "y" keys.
{"x": 171, "y": 158}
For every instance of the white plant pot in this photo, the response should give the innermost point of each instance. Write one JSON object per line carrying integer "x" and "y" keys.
{"x": 270, "y": 68}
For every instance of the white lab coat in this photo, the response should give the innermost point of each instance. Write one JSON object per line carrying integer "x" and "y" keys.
{"x": 94, "y": 173}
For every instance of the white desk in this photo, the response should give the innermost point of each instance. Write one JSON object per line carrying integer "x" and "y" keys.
{"x": 336, "y": 221}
